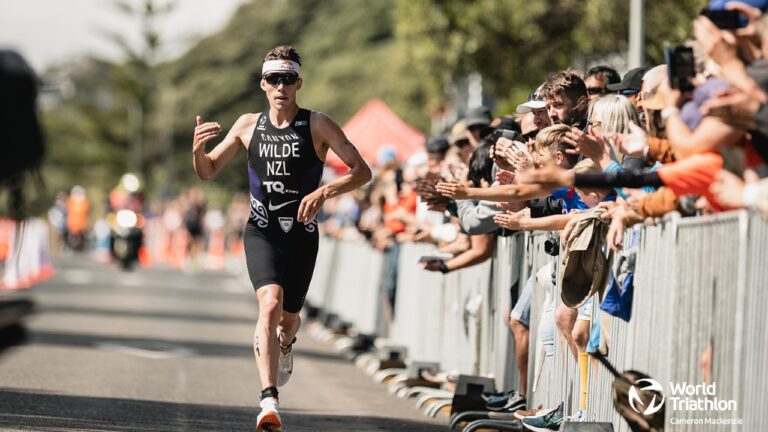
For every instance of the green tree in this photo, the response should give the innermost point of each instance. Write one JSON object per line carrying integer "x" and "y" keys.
{"x": 102, "y": 127}
{"x": 349, "y": 52}
{"x": 516, "y": 44}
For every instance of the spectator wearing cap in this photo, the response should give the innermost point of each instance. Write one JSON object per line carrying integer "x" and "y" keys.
{"x": 567, "y": 99}
{"x": 478, "y": 121}
{"x": 462, "y": 140}
{"x": 475, "y": 219}
{"x": 630, "y": 85}
{"x": 650, "y": 101}
{"x": 537, "y": 105}
{"x": 597, "y": 80}
{"x": 436, "y": 147}
{"x": 506, "y": 122}
{"x": 529, "y": 129}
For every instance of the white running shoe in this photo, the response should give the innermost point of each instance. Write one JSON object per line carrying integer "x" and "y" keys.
{"x": 284, "y": 364}
{"x": 269, "y": 417}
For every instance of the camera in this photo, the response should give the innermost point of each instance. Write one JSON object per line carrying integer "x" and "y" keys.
{"x": 681, "y": 67}
{"x": 502, "y": 133}
{"x": 552, "y": 244}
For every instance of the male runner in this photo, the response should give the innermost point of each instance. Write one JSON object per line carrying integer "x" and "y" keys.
{"x": 286, "y": 151}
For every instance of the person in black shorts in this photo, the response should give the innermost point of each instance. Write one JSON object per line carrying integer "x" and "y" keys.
{"x": 286, "y": 149}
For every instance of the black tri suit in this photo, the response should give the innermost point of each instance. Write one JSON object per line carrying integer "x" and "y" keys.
{"x": 283, "y": 168}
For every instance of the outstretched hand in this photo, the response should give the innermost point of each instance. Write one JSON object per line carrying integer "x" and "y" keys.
{"x": 549, "y": 176}
{"x": 204, "y": 132}
{"x": 728, "y": 188}
{"x": 734, "y": 106}
{"x": 512, "y": 221}
{"x": 455, "y": 190}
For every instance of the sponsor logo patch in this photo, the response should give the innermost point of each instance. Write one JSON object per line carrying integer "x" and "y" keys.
{"x": 286, "y": 223}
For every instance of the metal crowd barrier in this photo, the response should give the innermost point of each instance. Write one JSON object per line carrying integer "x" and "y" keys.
{"x": 347, "y": 282}
{"x": 699, "y": 282}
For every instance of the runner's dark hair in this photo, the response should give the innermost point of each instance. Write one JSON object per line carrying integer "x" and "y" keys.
{"x": 283, "y": 52}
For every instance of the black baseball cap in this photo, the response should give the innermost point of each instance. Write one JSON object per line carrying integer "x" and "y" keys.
{"x": 437, "y": 144}
{"x": 507, "y": 123}
{"x": 478, "y": 116}
{"x": 633, "y": 80}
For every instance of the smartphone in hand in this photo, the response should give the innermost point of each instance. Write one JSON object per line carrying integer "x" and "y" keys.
{"x": 681, "y": 67}
{"x": 723, "y": 18}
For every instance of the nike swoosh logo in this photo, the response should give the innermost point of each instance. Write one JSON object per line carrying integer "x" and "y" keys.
{"x": 279, "y": 206}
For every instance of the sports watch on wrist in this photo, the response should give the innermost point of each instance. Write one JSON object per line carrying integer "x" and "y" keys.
{"x": 444, "y": 268}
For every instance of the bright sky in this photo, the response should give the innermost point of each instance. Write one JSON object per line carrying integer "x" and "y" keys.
{"x": 51, "y": 31}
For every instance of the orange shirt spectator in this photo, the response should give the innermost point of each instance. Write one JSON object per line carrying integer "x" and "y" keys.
{"x": 77, "y": 213}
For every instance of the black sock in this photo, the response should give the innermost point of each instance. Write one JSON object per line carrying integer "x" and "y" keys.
{"x": 269, "y": 392}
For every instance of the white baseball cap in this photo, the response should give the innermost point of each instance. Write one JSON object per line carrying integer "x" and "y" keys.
{"x": 535, "y": 101}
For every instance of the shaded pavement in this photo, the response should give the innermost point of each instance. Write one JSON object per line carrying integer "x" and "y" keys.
{"x": 156, "y": 350}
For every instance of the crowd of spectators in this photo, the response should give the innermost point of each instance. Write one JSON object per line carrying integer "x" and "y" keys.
{"x": 587, "y": 154}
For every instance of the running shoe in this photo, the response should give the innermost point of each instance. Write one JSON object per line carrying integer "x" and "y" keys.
{"x": 511, "y": 403}
{"x": 548, "y": 422}
{"x": 533, "y": 412}
{"x": 284, "y": 364}
{"x": 488, "y": 397}
{"x": 269, "y": 417}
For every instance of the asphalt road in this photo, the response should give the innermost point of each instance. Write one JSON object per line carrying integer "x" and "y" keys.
{"x": 156, "y": 350}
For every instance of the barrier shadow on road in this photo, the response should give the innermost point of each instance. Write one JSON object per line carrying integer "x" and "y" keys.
{"x": 54, "y": 412}
{"x": 11, "y": 336}
{"x": 185, "y": 348}
{"x": 153, "y": 291}
{"x": 160, "y": 315}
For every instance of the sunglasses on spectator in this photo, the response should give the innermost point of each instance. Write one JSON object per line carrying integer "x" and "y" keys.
{"x": 530, "y": 135}
{"x": 597, "y": 90}
{"x": 629, "y": 92}
{"x": 285, "y": 78}
{"x": 461, "y": 143}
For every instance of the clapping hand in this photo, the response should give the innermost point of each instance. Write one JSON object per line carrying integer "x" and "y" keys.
{"x": 633, "y": 143}
{"x": 586, "y": 144}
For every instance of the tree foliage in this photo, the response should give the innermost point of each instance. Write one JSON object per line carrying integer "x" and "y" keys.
{"x": 349, "y": 54}
{"x": 406, "y": 52}
{"x": 515, "y": 44}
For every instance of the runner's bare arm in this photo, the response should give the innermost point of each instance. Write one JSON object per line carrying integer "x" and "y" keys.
{"x": 328, "y": 132}
{"x": 208, "y": 165}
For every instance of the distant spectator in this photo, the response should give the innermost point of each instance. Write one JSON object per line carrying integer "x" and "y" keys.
{"x": 537, "y": 105}
{"x": 630, "y": 85}
{"x": 597, "y": 80}
{"x": 567, "y": 99}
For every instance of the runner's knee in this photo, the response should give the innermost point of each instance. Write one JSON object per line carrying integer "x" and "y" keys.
{"x": 270, "y": 303}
